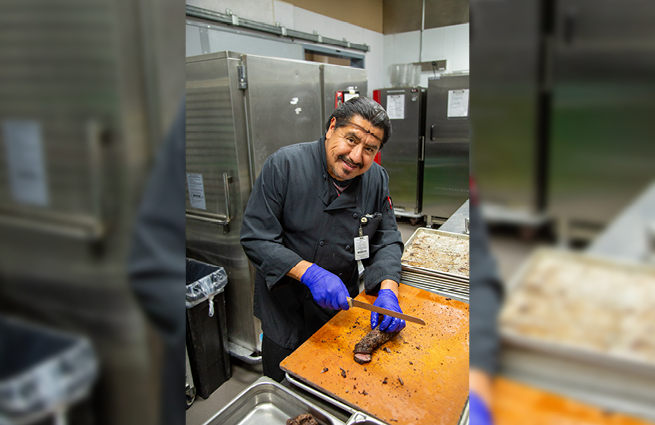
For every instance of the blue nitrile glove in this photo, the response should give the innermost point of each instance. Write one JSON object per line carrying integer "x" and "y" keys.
{"x": 479, "y": 414}
{"x": 387, "y": 299}
{"x": 327, "y": 289}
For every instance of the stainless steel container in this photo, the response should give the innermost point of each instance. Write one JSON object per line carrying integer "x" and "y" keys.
{"x": 267, "y": 402}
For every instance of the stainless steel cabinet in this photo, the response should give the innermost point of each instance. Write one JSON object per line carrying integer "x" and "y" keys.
{"x": 506, "y": 107}
{"x": 601, "y": 150}
{"x": 402, "y": 155}
{"x": 446, "y": 173}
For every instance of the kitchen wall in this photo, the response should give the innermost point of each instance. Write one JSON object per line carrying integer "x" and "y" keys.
{"x": 449, "y": 42}
{"x": 291, "y": 17}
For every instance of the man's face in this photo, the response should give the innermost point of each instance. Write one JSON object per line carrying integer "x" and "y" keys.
{"x": 350, "y": 149}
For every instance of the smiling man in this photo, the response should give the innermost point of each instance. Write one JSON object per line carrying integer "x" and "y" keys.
{"x": 319, "y": 216}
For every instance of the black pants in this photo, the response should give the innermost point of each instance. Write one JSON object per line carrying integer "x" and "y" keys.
{"x": 272, "y": 355}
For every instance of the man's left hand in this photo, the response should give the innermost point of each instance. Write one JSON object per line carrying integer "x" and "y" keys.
{"x": 387, "y": 299}
{"x": 479, "y": 413}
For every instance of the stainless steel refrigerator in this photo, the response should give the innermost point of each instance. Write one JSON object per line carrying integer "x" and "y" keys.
{"x": 446, "y": 165}
{"x": 240, "y": 110}
{"x": 402, "y": 155}
{"x": 601, "y": 148}
{"x": 78, "y": 135}
{"x": 509, "y": 107}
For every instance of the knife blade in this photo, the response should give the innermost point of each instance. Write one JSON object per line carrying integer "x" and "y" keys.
{"x": 380, "y": 310}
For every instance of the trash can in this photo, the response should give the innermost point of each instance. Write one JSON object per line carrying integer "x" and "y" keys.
{"x": 44, "y": 374}
{"x": 206, "y": 326}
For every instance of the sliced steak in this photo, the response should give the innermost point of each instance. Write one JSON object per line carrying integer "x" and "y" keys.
{"x": 304, "y": 419}
{"x": 369, "y": 343}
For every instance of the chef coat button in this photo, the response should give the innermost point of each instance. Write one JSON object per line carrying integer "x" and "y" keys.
{"x": 347, "y": 247}
{"x": 355, "y": 215}
{"x": 321, "y": 243}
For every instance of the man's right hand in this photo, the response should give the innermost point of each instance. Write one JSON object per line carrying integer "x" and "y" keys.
{"x": 327, "y": 289}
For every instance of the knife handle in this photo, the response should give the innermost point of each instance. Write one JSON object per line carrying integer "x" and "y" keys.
{"x": 350, "y": 302}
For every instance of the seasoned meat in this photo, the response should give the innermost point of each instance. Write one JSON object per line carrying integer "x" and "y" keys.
{"x": 369, "y": 343}
{"x": 304, "y": 419}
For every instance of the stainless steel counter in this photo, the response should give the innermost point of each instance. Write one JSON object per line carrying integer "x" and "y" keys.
{"x": 455, "y": 224}
{"x": 626, "y": 237}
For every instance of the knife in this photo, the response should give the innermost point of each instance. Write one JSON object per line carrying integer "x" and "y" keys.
{"x": 371, "y": 307}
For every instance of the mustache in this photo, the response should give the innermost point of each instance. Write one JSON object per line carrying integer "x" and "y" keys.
{"x": 349, "y": 162}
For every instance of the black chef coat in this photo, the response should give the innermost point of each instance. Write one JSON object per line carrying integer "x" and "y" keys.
{"x": 289, "y": 218}
{"x": 486, "y": 296}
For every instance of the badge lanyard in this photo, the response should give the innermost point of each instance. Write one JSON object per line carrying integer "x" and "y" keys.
{"x": 361, "y": 246}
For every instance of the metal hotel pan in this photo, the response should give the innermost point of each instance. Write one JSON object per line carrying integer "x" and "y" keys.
{"x": 613, "y": 382}
{"x": 267, "y": 402}
{"x": 425, "y": 230}
{"x": 567, "y": 349}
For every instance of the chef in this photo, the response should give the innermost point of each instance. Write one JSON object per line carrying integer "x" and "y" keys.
{"x": 319, "y": 217}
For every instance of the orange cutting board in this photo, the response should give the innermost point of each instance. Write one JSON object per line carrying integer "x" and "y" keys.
{"x": 432, "y": 361}
{"x": 514, "y": 402}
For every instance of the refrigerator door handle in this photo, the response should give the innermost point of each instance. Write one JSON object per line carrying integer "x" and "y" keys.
{"x": 215, "y": 218}
{"x": 422, "y": 139}
{"x": 569, "y": 26}
{"x": 226, "y": 186}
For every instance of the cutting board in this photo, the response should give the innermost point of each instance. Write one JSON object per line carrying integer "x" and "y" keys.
{"x": 431, "y": 361}
{"x": 513, "y": 402}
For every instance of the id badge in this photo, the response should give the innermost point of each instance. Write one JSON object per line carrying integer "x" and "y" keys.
{"x": 361, "y": 248}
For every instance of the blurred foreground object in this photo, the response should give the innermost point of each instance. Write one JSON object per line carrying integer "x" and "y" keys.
{"x": 52, "y": 372}
{"x": 83, "y": 108}
{"x": 562, "y": 112}
{"x": 514, "y": 402}
{"x": 583, "y": 326}
{"x": 156, "y": 265}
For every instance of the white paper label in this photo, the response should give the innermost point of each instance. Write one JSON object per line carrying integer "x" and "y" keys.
{"x": 360, "y": 268}
{"x": 196, "y": 191}
{"x": 24, "y": 150}
{"x": 458, "y": 103}
{"x": 348, "y": 96}
{"x": 396, "y": 106}
{"x": 361, "y": 248}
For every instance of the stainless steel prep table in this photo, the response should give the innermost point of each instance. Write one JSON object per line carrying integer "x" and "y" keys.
{"x": 455, "y": 224}
{"x": 626, "y": 238}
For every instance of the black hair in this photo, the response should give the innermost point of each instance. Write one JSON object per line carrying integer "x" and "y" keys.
{"x": 366, "y": 108}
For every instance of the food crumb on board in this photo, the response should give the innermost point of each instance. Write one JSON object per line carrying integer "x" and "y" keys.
{"x": 386, "y": 349}
{"x": 364, "y": 392}
{"x": 411, "y": 363}
{"x": 325, "y": 369}
{"x": 385, "y": 380}
{"x": 401, "y": 381}
{"x": 343, "y": 372}
{"x": 365, "y": 370}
